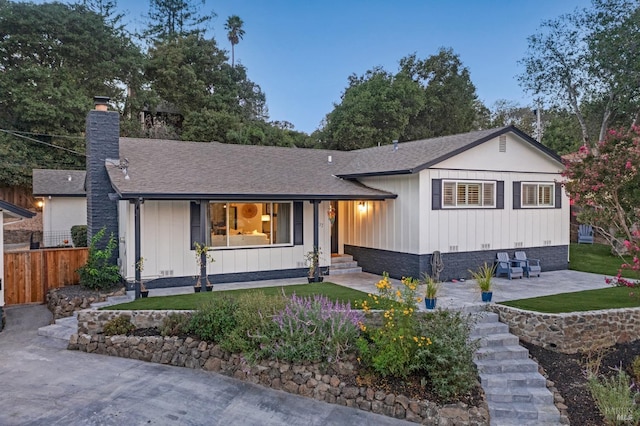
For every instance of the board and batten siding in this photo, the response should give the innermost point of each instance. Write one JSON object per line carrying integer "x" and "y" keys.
{"x": 385, "y": 225}
{"x": 165, "y": 244}
{"x": 59, "y": 214}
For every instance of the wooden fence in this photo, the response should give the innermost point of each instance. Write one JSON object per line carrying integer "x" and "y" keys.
{"x": 28, "y": 275}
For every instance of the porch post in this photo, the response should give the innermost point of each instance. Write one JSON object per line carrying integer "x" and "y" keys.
{"x": 203, "y": 240}
{"x": 137, "y": 245}
{"x": 316, "y": 237}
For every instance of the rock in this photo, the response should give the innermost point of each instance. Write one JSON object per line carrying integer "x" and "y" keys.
{"x": 213, "y": 364}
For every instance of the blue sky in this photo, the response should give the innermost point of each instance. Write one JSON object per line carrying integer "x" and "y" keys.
{"x": 301, "y": 52}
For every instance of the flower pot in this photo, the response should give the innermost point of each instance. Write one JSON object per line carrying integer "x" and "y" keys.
{"x": 486, "y": 296}
{"x": 144, "y": 293}
{"x": 315, "y": 280}
{"x": 197, "y": 289}
{"x": 430, "y": 303}
{"x": 209, "y": 288}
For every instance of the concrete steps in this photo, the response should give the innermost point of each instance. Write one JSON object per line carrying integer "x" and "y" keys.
{"x": 343, "y": 264}
{"x": 63, "y": 328}
{"x": 515, "y": 392}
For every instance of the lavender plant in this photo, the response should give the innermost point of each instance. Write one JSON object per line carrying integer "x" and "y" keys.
{"x": 314, "y": 329}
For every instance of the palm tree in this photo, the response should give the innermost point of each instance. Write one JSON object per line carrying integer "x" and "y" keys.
{"x": 235, "y": 34}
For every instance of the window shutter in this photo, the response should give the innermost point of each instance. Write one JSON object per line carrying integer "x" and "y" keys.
{"x": 436, "y": 194}
{"x": 298, "y": 228}
{"x": 516, "y": 195}
{"x": 558, "y": 204}
{"x": 195, "y": 223}
{"x": 500, "y": 194}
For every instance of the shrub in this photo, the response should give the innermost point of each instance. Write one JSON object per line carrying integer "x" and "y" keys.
{"x": 79, "y": 235}
{"x": 448, "y": 360}
{"x": 635, "y": 368}
{"x": 214, "y": 320}
{"x": 118, "y": 325}
{"x": 99, "y": 273}
{"x": 391, "y": 349}
{"x": 615, "y": 398}
{"x": 254, "y": 322}
{"x": 313, "y": 329}
{"x": 174, "y": 324}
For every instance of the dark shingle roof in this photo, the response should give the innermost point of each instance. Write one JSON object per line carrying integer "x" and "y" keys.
{"x": 58, "y": 182}
{"x": 174, "y": 169}
{"x": 13, "y": 210}
{"x": 411, "y": 157}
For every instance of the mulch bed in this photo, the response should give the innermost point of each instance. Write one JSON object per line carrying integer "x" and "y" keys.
{"x": 568, "y": 374}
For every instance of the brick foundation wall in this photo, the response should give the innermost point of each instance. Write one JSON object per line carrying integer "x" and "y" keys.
{"x": 456, "y": 265}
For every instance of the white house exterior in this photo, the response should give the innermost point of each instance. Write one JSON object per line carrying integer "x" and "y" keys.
{"x": 8, "y": 211}
{"x": 260, "y": 209}
{"x": 64, "y": 203}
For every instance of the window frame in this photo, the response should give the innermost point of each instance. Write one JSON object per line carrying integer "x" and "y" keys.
{"x": 539, "y": 186}
{"x": 458, "y": 183}
{"x": 271, "y": 244}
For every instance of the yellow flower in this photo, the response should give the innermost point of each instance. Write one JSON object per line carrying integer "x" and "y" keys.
{"x": 415, "y": 339}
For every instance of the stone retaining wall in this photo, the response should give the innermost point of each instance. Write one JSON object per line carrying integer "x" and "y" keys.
{"x": 62, "y": 306}
{"x": 572, "y": 332}
{"x": 335, "y": 383}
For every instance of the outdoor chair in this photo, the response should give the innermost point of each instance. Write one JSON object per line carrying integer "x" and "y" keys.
{"x": 511, "y": 268}
{"x": 530, "y": 266}
{"x": 585, "y": 234}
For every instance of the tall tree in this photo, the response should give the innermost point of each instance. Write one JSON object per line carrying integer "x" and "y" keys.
{"x": 170, "y": 18}
{"x": 235, "y": 33}
{"x": 589, "y": 57}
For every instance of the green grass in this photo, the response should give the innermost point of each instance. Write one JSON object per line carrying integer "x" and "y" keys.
{"x": 596, "y": 258}
{"x": 588, "y": 300}
{"x": 195, "y": 300}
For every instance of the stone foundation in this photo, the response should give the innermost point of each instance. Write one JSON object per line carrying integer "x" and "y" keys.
{"x": 62, "y": 305}
{"x": 335, "y": 383}
{"x": 572, "y": 332}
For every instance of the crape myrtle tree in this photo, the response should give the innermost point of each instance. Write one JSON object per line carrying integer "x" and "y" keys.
{"x": 605, "y": 185}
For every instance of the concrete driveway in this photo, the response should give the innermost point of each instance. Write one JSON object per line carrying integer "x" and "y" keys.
{"x": 42, "y": 383}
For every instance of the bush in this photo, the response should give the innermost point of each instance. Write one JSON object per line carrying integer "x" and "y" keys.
{"x": 174, "y": 324}
{"x": 98, "y": 273}
{"x": 254, "y": 322}
{"x": 79, "y": 235}
{"x": 313, "y": 329}
{"x": 118, "y": 325}
{"x": 448, "y": 360}
{"x": 615, "y": 399}
{"x": 391, "y": 349}
{"x": 214, "y": 320}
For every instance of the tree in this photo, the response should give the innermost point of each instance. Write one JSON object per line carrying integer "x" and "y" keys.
{"x": 170, "y": 18}
{"x": 235, "y": 33}
{"x": 605, "y": 184}
{"x": 590, "y": 57}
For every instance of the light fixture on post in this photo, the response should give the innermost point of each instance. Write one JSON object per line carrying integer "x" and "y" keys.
{"x": 362, "y": 207}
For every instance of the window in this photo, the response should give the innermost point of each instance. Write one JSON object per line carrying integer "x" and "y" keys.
{"x": 468, "y": 194}
{"x": 250, "y": 224}
{"x": 538, "y": 195}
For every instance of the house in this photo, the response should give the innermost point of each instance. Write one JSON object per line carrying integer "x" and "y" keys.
{"x": 9, "y": 212}
{"x": 64, "y": 203}
{"x": 261, "y": 208}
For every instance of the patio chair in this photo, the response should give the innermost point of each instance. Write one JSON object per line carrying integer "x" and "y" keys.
{"x": 504, "y": 265}
{"x": 585, "y": 234}
{"x": 530, "y": 266}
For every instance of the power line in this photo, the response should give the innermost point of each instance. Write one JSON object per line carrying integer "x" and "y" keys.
{"x": 13, "y": 133}
{"x": 45, "y": 134}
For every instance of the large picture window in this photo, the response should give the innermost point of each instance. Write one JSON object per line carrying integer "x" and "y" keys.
{"x": 250, "y": 224}
{"x": 468, "y": 194}
{"x": 538, "y": 194}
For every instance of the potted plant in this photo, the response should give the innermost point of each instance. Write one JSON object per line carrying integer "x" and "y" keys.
{"x": 202, "y": 257}
{"x": 140, "y": 267}
{"x": 483, "y": 277}
{"x": 312, "y": 259}
{"x": 431, "y": 292}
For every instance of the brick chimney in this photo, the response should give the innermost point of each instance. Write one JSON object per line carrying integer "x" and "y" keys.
{"x": 103, "y": 136}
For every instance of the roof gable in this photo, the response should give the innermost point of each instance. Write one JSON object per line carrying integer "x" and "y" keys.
{"x": 414, "y": 156}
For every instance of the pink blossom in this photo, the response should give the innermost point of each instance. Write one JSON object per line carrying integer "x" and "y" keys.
{"x": 628, "y": 165}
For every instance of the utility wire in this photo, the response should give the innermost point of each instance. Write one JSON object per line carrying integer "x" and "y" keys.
{"x": 12, "y": 133}
{"x": 45, "y": 134}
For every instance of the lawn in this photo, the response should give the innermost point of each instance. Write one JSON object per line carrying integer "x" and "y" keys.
{"x": 588, "y": 300}
{"x": 596, "y": 258}
{"x": 195, "y": 300}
